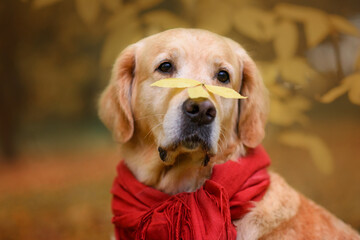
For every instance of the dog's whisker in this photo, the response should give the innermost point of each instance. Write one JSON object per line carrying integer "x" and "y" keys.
{"x": 220, "y": 146}
{"x": 222, "y": 134}
{"x": 148, "y": 116}
{"x": 223, "y": 131}
{"x": 221, "y": 140}
{"x": 152, "y": 129}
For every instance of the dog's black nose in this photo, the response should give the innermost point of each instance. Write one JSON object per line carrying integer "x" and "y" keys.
{"x": 199, "y": 110}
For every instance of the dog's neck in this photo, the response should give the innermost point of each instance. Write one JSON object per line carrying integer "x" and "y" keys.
{"x": 187, "y": 174}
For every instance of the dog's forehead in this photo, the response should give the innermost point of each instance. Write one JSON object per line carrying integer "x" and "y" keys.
{"x": 187, "y": 42}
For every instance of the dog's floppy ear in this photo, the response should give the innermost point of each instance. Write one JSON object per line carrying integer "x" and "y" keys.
{"x": 115, "y": 102}
{"x": 254, "y": 109}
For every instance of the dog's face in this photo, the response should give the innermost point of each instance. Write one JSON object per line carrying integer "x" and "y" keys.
{"x": 167, "y": 119}
{"x": 180, "y": 124}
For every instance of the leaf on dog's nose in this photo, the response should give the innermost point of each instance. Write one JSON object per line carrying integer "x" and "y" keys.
{"x": 224, "y": 92}
{"x": 176, "y": 83}
{"x": 198, "y": 92}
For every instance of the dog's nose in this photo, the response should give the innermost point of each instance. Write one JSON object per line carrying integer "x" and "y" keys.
{"x": 199, "y": 110}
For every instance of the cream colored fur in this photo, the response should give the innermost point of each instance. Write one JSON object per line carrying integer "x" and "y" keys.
{"x": 142, "y": 118}
{"x": 279, "y": 204}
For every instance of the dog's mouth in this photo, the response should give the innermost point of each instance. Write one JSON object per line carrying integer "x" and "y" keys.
{"x": 187, "y": 141}
{"x": 186, "y": 146}
{"x": 193, "y": 142}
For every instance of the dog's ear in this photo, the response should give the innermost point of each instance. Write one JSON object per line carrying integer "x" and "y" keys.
{"x": 115, "y": 102}
{"x": 254, "y": 109}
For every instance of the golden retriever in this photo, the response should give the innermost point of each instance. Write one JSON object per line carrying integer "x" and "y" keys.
{"x": 162, "y": 147}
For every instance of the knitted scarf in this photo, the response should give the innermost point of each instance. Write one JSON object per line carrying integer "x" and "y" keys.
{"x": 142, "y": 212}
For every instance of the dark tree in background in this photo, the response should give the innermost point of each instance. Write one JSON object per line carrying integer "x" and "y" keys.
{"x": 12, "y": 91}
{"x": 49, "y": 71}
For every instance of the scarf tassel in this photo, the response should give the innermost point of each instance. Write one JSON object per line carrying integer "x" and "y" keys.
{"x": 175, "y": 213}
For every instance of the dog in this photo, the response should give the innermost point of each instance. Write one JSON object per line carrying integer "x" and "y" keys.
{"x": 172, "y": 143}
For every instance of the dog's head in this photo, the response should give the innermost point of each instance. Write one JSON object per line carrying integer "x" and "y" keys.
{"x": 167, "y": 119}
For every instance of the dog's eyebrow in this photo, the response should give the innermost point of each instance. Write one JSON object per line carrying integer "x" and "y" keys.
{"x": 167, "y": 54}
{"x": 220, "y": 60}
{"x": 219, "y": 63}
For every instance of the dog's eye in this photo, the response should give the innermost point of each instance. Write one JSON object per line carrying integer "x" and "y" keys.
{"x": 165, "y": 67}
{"x": 223, "y": 76}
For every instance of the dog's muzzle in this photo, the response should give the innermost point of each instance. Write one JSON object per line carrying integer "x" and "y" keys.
{"x": 195, "y": 130}
{"x": 196, "y": 127}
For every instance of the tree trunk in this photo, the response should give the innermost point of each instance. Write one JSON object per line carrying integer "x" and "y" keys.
{"x": 11, "y": 87}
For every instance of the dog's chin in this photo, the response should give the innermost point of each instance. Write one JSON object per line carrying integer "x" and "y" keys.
{"x": 191, "y": 148}
{"x": 194, "y": 142}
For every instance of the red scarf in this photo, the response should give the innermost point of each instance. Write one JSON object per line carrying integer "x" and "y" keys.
{"x": 142, "y": 212}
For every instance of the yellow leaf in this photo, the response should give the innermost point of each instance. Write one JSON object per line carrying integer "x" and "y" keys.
{"x": 357, "y": 62}
{"x": 286, "y": 39}
{"x": 335, "y": 93}
{"x": 118, "y": 39}
{"x": 318, "y": 150}
{"x": 147, "y": 4}
{"x": 341, "y": 24}
{"x": 198, "y": 92}
{"x": 214, "y": 16}
{"x": 296, "y": 71}
{"x": 176, "y": 83}
{"x": 316, "y": 29}
{"x": 164, "y": 19}
{"x": 279, "y": 115}
{"x": 290, "y": 11}
{"x": 300, "y": 103}
{"x": 296, "y": 12}
{"x": 351, "y": 84}
{"x": 255, "y": 23}
{"x": 111, "y": 5}
{"x": 316, "y": 22}
{"x": 240, "y": 4}
{"x": 278, "y": 91}
{"x": 189, "y": 5}
{"x": 354, "y": 91}
{"x": 37, "y": 4}
{"x": 224, "y": 92}
{"x": 152, "y": 29}
{"x": 88, "y": 10}
{"x": 125, "y": 15}
{"x": 288, "y": 112}
{"x": 269, "y": 71}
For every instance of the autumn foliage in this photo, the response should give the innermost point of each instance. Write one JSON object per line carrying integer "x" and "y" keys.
{"x": 288, "y": 31}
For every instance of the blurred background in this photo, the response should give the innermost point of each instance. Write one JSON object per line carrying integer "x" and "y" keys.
{"x": 57, "y": 160}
